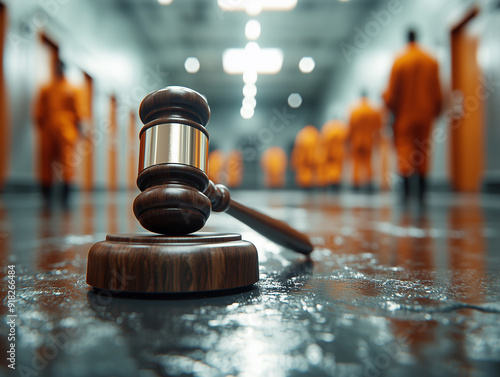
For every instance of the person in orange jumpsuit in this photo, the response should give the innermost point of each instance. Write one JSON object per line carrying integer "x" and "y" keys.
{"x": 57, "y": 119}
{"x": 216, "y": 162}
{"x": 273, "y": 163}
{"x": 333, "y": 135}
{"x": 234, "y": 169}
{"x": 365, "y": 124}
{"x": 414, "y": 98}
{"x": 305, "y": 157}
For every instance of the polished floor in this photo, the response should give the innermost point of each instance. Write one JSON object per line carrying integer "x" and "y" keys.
{"x": 388, "y": 291}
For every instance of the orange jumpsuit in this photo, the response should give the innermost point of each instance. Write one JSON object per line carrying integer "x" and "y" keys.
{"x": 364, "y": 128}
{"x": 273, "y": 163}
{"x": 333, "y": 134}
{"x": 216, "y": 163}
{"x": 414, "y": 97}
{"x": 57, "y": 117}
{"x": 234, "y": 169}
{"x": 305, "y": 156}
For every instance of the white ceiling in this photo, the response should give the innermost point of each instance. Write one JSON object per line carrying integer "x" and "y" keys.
{"x": 170, "y": 34}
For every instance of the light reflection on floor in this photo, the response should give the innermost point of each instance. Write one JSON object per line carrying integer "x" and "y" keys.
{"x": 389, "y": 291}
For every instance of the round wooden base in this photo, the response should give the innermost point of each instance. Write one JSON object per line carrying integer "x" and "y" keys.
{"x": 160, "y": 264}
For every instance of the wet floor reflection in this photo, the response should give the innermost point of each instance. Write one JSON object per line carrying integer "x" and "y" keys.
{"x": 467, "y": 251}
{"x": 387, "y": 291}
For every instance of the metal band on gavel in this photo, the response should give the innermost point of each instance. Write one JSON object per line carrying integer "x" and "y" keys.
{"x": 173, "y": 143}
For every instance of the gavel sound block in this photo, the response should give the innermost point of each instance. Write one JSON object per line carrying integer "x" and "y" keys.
{"x": 175, "y": 200}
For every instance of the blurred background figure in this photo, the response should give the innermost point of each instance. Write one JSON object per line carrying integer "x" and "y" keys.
{"x": 57, "y": 119}
{"x": 234, "y": 169}
{"x": 333, "y": 136}
{"x": 305, "y": 157}
{"x": 216, "y": 163}
{"x": 414, "y": 97}
{"x": 365, "y": 124}
{"x": 274, "y": 163}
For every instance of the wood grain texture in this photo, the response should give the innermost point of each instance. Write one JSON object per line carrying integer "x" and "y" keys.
{"x": 171, "y": 201}
{"x": 175, "y": 104}
{"x": 160, "y": 264}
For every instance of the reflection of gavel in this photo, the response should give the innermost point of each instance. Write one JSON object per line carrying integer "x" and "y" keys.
{"x": 176, "y": 194}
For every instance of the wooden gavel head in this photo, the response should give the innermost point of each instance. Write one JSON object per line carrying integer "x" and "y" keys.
{"x": 173, "y": 162}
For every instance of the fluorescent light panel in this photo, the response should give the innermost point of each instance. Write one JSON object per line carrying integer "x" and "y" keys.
{"x": 267, "y": 61}
{"x": 255, "y": 6}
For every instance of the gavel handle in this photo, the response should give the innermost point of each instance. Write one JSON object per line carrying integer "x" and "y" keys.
{"x": 275, "y": 230}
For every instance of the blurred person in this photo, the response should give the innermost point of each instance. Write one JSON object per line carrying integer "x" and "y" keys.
{"x": 274, "y": 162}
{"x": 333, "y": 135}
{"x": 365, "y": 123}
{"x": 305, "y": 157}
{"x": 57, "y": 117}
{"x": 414, "y": 98}
{"x": 216, "y": 163}
{"x": 234, "y": 169}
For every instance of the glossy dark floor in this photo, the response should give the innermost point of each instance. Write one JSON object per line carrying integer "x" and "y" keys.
{"x": 388, "y": 292}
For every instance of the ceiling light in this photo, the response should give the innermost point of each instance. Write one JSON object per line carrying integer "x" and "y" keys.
{"x": 261, "y": 60}
{"x": 249, "y": 77}
{"x": 192, "y": 65}
{"x": 249, "y": 102}
{"x": 165, "y": 2}
{"x": 249, "y": 90}
{"x": 294, "y": 100}
{"x": 252, "y": 30}
{"x": 252, "y": 48}
{"x": 247, "y": 112}
{"x": 254, "y": 7}
{"x": 307, "y": 64}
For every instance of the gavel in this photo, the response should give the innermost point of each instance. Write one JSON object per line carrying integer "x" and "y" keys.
{"x": 176, "y": 195}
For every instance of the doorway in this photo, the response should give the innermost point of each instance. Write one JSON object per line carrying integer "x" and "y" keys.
{"x": 4, "y": 118}
{"x": 466, "y": 129}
